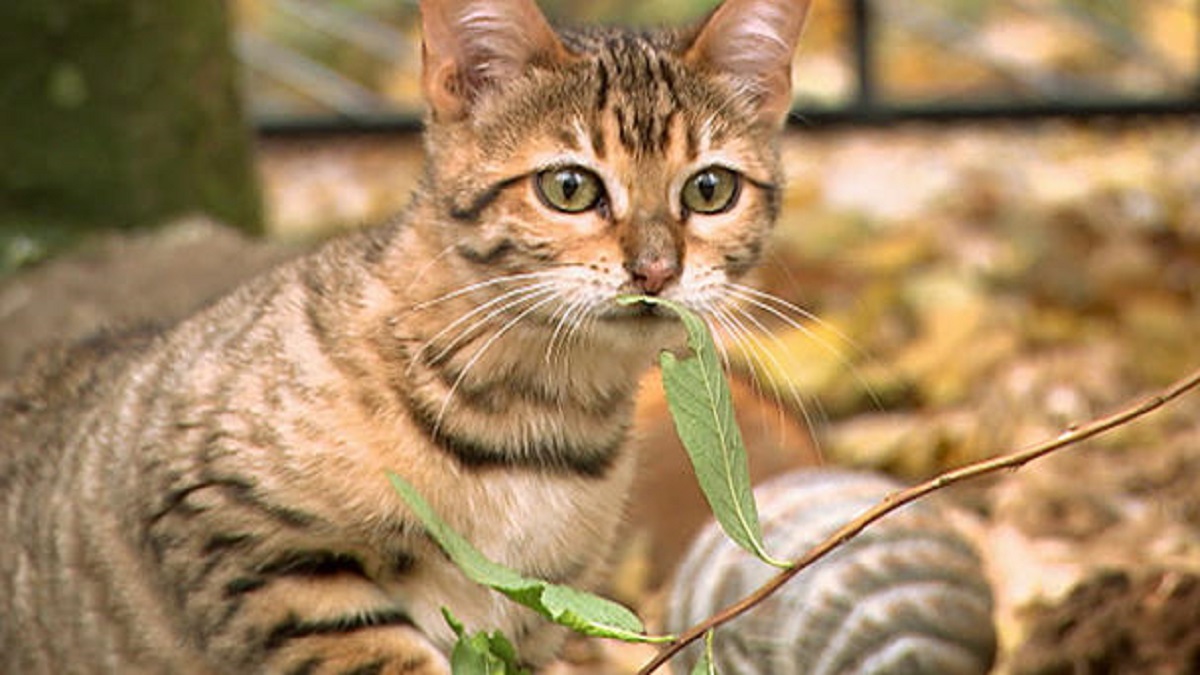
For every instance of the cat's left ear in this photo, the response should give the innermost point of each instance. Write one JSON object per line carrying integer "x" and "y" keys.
{"x": 752, "y": 42}
{"x": 473, "y": 45}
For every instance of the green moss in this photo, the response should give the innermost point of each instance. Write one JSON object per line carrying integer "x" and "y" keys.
{"x": 24, "y": 243}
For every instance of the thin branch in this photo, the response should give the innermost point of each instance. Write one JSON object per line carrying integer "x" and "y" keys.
{"x": 1072, "y": 436}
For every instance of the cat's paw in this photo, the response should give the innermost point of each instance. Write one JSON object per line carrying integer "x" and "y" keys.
{"x": 381, "y": 650}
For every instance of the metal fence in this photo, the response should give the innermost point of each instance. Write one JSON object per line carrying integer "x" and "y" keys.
{"x": 868, "y": 108}
{"x": 342, "y": 102}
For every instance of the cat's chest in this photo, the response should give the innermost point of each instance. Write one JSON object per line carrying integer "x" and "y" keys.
{"x": 561, "y": 529}
{"x": 544, "y": 524}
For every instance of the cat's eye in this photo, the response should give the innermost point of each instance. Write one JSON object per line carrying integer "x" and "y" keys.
{"x": 711, "y": 190}
{"x": 569, "y": 189}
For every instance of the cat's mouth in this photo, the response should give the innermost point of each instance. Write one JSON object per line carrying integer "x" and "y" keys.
{"x": 637, "y": 310}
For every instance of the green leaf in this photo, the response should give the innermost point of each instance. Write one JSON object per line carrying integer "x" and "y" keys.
{"x": 701, "y": 406}
{"x": 582, "y": 612}
{"x": 481, "y": 653}
{"x": 704, "y": 665}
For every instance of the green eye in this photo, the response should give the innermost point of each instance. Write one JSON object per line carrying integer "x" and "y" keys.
{"x": 712, "y": 190}
{"x": 570, "y": 189}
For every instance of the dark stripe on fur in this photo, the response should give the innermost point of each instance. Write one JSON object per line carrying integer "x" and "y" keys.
{"x": 307, "y": 667}
{"x": 497, "y": 399}
{"x": 176, "y": 500}
{"x": 243, "y": 585}
{"x": 220, "y": 543}
{"x": 555, "y": 456}
{"x": 602, "y": 85}
{"x": 471, "y": 211}
{"x": 294, "y": 628}
{"x": 293, "y": 517}
{"x": 313, "y": 564}
{"x": 217, "y": 551}
{"x": 487, "y": 256}
{"x": 403, "y": 563}
{"x": 299, "y": 563}
{"x": 237, "y": 490}
{"x": 233, "y": 607}
{"x": 311, "y": 666}
{"x": 624, "y": 133}
{"x": 374, "y": 668}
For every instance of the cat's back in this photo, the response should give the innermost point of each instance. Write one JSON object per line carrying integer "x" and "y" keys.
{"x": 42, "y": 411}
{"x": 39, "y": 404}
{"x": 88, "y": 430}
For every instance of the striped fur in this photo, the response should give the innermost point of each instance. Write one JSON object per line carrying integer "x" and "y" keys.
{"x": 210, "y": 498}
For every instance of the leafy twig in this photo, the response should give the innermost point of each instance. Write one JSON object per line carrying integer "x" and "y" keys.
{"x": 702, "y": 407}
{"x": 1071, "y": 436}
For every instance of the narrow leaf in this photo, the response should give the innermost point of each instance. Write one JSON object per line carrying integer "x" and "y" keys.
{"x": 583, "y": 612}
{"x": 701, "y": 406}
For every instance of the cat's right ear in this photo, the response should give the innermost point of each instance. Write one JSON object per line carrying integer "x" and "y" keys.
{"x": 471, "y": 45}
{"x": 750, "y": 42}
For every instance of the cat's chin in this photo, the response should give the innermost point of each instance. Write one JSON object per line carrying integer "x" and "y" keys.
{"x": 641, "y": 312}
{"x": 640, "y": 327}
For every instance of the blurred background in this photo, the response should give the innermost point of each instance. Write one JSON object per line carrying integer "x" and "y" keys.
{"x": 993, "y": 208}
{"x": 358, "y": 58}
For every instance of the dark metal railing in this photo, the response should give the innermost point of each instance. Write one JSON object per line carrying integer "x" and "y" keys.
{"x": 868, "y": 108}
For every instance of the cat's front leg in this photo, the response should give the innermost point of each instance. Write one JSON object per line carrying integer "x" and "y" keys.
{"x": 327, "y": 623}
{"x": 380, "y": 650}
{"x": 317, "y": 616}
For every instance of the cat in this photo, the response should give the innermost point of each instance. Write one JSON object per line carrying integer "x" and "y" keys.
{"x": 211, "y": 497}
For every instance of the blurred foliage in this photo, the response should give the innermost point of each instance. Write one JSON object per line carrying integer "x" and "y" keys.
{"x": 23, "y": 244}
{"x": 1039, "y": 49}
{"x": 965, "y": 50}
{"x": 635, "y": 12}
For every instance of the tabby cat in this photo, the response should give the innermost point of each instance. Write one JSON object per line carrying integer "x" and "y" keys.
{"x": 212, "y": 498}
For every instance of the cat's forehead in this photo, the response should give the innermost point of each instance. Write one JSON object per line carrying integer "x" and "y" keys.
{"x": 637, "y": 80}
{"x": 624, "y": 48}
{"x": 630, "y": 107}
{"x": 597, "y": 38}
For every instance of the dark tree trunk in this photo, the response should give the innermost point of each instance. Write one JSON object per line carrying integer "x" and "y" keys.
{"x": 120, "y": 113}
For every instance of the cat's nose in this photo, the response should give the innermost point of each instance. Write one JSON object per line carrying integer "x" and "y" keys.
{"x": 652, "y": 274}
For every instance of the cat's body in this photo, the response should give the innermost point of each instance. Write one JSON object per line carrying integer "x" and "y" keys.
{"x": 243, "y": 482}
{"x": 212, "y": 498}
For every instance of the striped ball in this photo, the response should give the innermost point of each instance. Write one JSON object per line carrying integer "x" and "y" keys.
{"x": 907, "y": 596}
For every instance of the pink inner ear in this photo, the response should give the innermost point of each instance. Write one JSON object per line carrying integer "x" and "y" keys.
{"x": 752, "y": 42}
{"x": 472, "y": 44}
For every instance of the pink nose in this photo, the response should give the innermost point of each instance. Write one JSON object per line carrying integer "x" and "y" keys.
{"x": 652, "y": 276}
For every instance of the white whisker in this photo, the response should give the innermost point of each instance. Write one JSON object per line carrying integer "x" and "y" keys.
{"x": 741, "y": 336}
{"x": 548, "y": 274}
{"x": 755, "y": 346}
{"x": 710, "y": 315}
{"x": 565, "y": 326}
{"x": 427, "y": 267}
{"x": 778, "y": 307}
{"x": 505, "y": 302}
{"x": 586, "y": 320}
{"x": 550, "y": 297}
